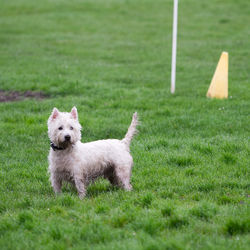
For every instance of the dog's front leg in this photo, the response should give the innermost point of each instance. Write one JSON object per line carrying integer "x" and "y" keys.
{"x": 56, "y": 182}
{"x": 80, "y": 186}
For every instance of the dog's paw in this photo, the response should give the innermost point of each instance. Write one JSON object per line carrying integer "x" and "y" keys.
{"x": 81, "y": 196}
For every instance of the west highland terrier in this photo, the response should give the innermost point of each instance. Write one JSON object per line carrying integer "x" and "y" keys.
{"x": 81, "y": 163}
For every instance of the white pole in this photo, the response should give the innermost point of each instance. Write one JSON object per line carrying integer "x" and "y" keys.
{"x": 174, "y": 45}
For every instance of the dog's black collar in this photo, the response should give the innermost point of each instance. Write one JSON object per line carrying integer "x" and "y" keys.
{"x": 54, "y": 147}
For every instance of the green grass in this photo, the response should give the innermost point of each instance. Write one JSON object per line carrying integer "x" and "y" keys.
{"x": 110, "y": 58}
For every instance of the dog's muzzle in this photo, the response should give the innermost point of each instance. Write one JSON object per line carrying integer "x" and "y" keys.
{"x": 67, "y": 138}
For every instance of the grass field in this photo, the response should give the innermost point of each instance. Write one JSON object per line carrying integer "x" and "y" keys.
{"x": 111, "y": 58}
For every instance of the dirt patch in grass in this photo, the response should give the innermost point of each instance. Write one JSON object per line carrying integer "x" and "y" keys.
{"x": 11, "y": 96}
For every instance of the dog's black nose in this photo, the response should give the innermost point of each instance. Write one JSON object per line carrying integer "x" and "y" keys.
{"x": 67, "y": 137}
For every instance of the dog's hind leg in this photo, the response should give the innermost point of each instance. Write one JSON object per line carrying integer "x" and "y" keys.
{"x": 122, "y": 177}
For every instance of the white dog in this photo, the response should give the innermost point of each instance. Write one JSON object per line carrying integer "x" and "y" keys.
{"x": 80, "y": 163}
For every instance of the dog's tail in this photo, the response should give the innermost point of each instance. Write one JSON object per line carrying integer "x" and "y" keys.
{"x": 131, "y": 130}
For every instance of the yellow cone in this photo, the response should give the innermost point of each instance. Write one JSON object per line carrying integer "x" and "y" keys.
{"x": 219, "y": 85}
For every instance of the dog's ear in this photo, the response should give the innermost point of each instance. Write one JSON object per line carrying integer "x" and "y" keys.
{"x": 74, "y": 113}
{"x": 54, "y": 114}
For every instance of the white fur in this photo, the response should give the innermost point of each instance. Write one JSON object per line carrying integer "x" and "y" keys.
{"x": 81, "y": 163}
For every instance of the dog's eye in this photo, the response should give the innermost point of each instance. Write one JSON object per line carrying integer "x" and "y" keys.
{"x": 71, "y": 128}
{"x": 60, "y": 128}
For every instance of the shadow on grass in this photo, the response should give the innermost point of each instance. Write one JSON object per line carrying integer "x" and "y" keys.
{"x": 93, "y": 190}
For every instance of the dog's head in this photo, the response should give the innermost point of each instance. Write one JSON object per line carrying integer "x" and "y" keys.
{"x": 64, "y": 128}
